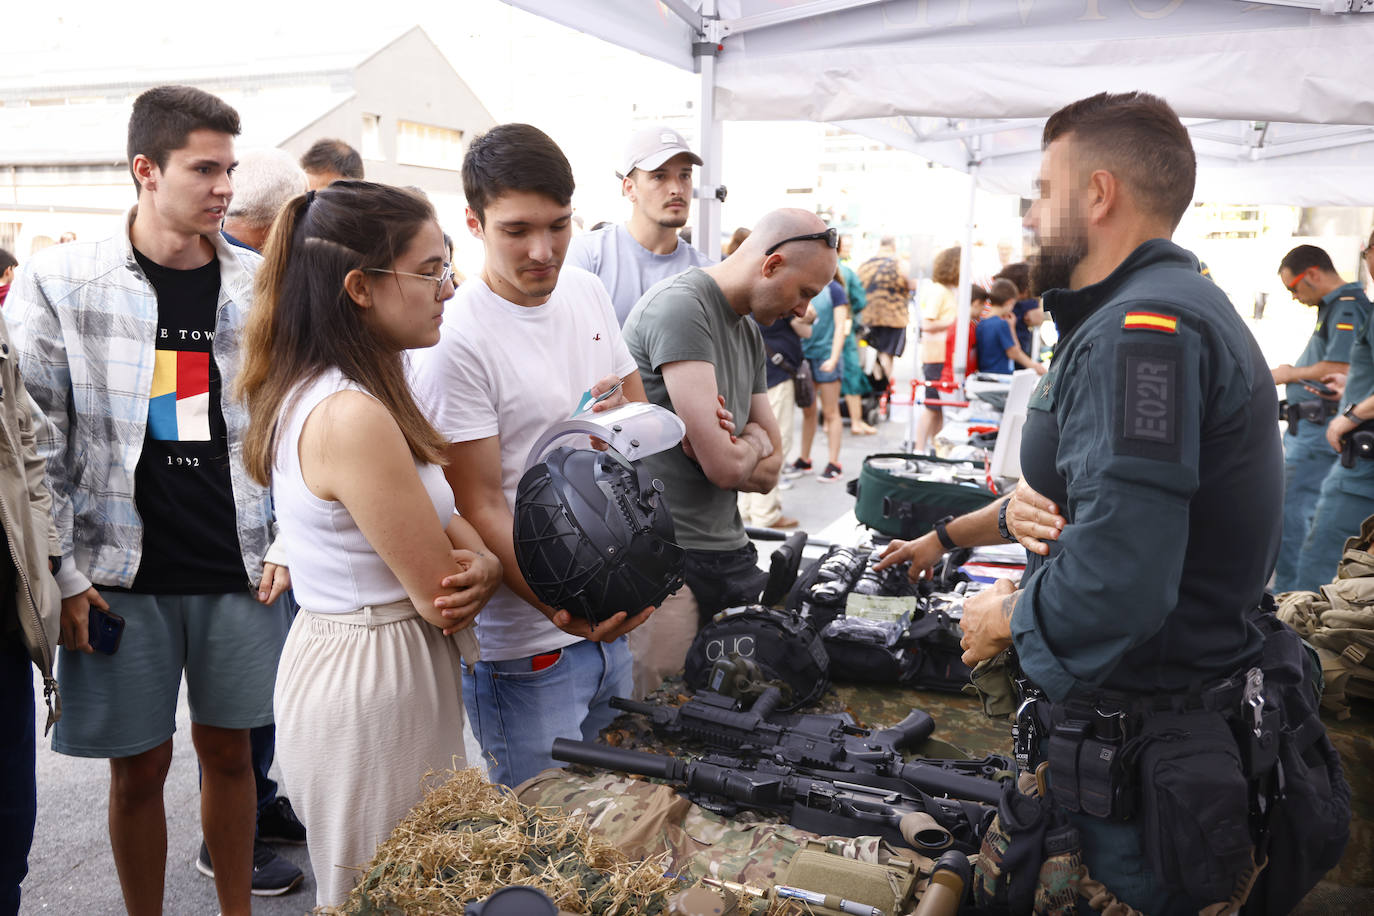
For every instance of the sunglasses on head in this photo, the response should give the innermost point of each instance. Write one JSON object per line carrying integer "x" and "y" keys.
{"x": 831, "y": 237}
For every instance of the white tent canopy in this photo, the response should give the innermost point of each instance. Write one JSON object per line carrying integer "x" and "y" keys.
{"x": 1275, "y": 94}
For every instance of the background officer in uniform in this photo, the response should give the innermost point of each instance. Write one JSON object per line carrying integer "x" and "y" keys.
{"x": 1342, "y": 308}
{"x": 1154, "y": 434}
{"x": 1347, "y": 493}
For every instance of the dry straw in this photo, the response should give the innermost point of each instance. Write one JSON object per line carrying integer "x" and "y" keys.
{"x": 468, "y": 838}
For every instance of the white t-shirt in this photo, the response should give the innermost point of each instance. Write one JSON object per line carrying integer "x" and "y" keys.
{"x": 514, "y": 371}
{"x": 334, "y": 569}
{"x": 626, "y": 268}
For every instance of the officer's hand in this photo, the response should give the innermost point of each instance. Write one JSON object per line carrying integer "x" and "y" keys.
{"x": 1339, "y": 427}
{"x": 74, "y": 629}
{"x": 609, "y": 630}
{"x": 1336, "y": 382}
{"x": 987, "y": 622}
{"x": 1033, "y": 519}
{"x": 1283, "y": 374}
{"x": 922, "y": 554}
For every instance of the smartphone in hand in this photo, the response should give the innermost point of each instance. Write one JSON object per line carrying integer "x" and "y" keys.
{"x": 1325, "y": 391}
{"x": 105, "y": 630}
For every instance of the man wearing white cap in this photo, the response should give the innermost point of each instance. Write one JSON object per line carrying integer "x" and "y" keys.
{"x": 656, "y": 176}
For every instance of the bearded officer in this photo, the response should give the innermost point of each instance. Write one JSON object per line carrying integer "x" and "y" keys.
{"x": 1154, "y": 432}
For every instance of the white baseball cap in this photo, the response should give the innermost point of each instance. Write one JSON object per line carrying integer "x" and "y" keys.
{"x": 651, "y": 147}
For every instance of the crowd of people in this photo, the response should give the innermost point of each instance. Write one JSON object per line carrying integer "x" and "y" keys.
{"x": 276, "y": 449}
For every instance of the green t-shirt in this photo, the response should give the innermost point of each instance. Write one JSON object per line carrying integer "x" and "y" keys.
{"x": 687, "y": 318}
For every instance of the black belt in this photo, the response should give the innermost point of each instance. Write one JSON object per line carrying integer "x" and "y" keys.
{"x": 1083, "y": 738}
{"x": 1317, "y": 411}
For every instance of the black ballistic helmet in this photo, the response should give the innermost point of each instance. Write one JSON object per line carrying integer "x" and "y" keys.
{"x": 593, "y": 535}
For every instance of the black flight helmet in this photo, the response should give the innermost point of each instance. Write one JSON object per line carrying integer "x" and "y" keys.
{"x": 593, "y": 535}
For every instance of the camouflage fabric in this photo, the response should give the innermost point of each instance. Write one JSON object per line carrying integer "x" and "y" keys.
{"x": 643, "y": 819}
{"x": 1056, "y": 889}
{"x": 989, "y": 879}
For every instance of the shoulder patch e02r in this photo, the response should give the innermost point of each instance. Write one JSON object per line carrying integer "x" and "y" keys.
{"x": 1147, "y": 397}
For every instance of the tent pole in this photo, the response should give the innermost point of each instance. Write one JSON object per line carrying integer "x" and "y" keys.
{"x": 965, "y": 272}
{"x": 707, "y": 235}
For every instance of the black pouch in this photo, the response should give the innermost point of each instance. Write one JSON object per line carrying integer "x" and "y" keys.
{"x": 1195, "y": 803}
{"x": 723, "y": 578}
{"x": 1309, "y": 814}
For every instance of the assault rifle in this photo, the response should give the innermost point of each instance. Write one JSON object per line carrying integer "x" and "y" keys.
{"x": 826, "y": 806}
{"x": 826, "y": 747}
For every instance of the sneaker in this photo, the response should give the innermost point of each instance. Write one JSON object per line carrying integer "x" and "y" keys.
{"x": 796, "y": 468}
{"x": 831, "y": 473}
{"x": 278, "y": 824}
{"x": 785, "y": 482}
{"x": 273, "y": 875}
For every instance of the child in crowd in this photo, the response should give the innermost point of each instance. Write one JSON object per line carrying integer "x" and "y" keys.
{"x": 978, "y": 300}
{"x": 368, "y": 696}
{"x": 998, "y": 351}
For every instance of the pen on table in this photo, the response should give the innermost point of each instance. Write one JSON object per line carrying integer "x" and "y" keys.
{"x": 832, "y": 901}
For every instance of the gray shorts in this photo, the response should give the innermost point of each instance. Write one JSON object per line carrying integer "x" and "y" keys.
{"x": 124, "y": 704}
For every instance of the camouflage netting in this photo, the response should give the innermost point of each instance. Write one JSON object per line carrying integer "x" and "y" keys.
{"x": 468, "y": 838}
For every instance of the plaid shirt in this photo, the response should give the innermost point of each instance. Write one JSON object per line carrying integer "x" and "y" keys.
{"x": 83, "y": 319}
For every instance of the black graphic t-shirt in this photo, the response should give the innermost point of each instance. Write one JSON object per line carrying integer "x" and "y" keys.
{"x": 181, "y": 486}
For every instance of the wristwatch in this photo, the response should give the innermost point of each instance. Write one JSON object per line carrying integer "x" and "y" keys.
{"x": 1350, "y": 415}
{"x": 945, "y": 540}
{"x": 1002, "y": 528}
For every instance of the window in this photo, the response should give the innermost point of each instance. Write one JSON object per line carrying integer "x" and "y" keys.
{"x": 372, "y": 137}
{"x": 427, "y": 145}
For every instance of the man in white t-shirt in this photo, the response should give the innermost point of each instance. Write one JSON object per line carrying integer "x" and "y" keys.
{"x": 656, "y": 176}
{"x": 521, "y": 343}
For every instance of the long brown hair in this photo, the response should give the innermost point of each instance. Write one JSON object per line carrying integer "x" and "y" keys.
{"x": 303, "y": 321}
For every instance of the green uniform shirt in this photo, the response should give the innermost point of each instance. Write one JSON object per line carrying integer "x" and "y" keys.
{"x": 687, "y": 318}
{"x": 1341, "y": 315}
{"x": 1154, "y": 431}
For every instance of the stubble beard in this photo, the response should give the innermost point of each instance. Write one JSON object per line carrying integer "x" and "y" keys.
{"x": 1051, "y": 267}
{"x": 674, "y": 222}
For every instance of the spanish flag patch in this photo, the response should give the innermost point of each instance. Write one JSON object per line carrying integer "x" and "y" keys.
{"x": 1150, "y": 321}
{"x": 1345, "y": 327}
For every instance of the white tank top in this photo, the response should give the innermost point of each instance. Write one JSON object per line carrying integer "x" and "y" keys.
{"x": 334, "y": 569}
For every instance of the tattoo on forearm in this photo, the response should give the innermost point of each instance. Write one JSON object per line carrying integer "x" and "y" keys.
{"x": 1009, "y": 605}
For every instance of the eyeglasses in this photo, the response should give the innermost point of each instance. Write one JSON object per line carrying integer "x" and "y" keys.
{"x": 831, "y": 237}
{"x": 439, "y": 281}
{"x": 1293, "y": 287}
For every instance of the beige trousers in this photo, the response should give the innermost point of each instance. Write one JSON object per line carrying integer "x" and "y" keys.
{"x": 366, "y": 703}
{"x": 660, "y": 644}
{"x": 764, "y": 509}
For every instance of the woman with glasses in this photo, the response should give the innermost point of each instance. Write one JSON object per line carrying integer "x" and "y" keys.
{"x": 368, "y": 695}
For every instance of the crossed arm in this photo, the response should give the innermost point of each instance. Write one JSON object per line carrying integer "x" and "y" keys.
{"x": 748, "y": 461}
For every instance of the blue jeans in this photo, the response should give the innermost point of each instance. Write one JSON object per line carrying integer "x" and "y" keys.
{"x": 18, "y": 786}
{"x": 1346, "y": 500}
{"x": 1307, "y": 459}
{"x": 516, "y": 713}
